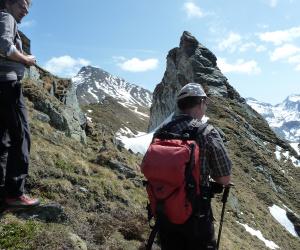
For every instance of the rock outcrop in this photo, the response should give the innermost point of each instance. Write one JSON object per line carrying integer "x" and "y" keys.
{"x": 62, "y": 109}
{"x": 57, "y": 99}
{"x": 191, "y": 62}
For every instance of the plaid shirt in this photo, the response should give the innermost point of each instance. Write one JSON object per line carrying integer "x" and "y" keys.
{"x": 214, "y": 160}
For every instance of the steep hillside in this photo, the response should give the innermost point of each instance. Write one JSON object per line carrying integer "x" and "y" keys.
{"x": 91, "y": 189}
{"x": 114, "y": 116}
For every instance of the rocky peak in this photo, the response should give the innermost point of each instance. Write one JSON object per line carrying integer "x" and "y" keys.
{"x": 190, "y": 62}
{"x": 94, "y": 84}
{"x": 188, "y": 43}
{"x": 292, "y": 103}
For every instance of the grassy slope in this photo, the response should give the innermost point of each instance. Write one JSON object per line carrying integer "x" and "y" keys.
{"x": 106, "y": 210}
{"x": 113, "y": 116}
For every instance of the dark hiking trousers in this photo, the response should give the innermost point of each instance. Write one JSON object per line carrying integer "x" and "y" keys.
{"x": 195, "y": 234}
{"x": 14, "y": 139}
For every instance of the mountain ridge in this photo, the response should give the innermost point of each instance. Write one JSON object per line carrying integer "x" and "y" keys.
{"x": 265, "y": 167}
{"x": 99, "y": 187}
{"x": 283, "y": 118}
{"x": 93, "y": 84}
{"x": 100, "y": 93}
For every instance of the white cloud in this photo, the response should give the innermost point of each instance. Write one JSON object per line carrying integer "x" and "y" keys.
{"x": 240, "y": 66}
{"x": 280, "y": 36}
{"x": 251, "y": 45}
{"x": 119, "y": 58}
{"x": 231, "y": 42}
{"x": 294, "y": 59}
{"x": 138, "y": 65}
{"x": 260, "y": 48}
{"x": 246, "y": 46}
{"x": 234, "y": 41}
{"x": 288, "y": 53}
{"x": 262, "y": 26}
{"x": 65, "y": 66}
{"x": 284, "y": 52}
{"x": 27, "y": 24}
{"x": 273, "y": 3}
{"x": 192, "y": 10}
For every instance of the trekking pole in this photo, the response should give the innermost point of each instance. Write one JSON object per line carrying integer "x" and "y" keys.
{"x": 224, "y": 200}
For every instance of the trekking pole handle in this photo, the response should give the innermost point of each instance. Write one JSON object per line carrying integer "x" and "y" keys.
{"x": 226, "y": 192}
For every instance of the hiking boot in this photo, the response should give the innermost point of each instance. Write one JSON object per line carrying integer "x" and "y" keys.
{"x": 21, "y": 201}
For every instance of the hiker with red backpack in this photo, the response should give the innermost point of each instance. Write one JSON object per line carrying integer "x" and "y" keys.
{"x": 184, "y": 156}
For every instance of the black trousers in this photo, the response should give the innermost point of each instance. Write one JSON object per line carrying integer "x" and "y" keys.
{"x": 196, "y": 234}
{"x": 14, "y": 139}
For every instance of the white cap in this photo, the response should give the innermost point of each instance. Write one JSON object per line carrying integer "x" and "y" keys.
{"x": 191, "y": 89}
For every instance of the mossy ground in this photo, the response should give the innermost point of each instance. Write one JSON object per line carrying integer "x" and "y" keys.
{"x": 107, "y": 210}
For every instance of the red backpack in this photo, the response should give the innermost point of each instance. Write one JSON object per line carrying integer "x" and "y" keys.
{"x": 172, "y": 168}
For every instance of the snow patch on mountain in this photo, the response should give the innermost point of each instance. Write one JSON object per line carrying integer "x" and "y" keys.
{"x": 134, "y": 109}
{"x": 140, "y": 143}
{"x": 296, "y": 146}
{"x": 280, "y": 215}
{"x": 94, "y": 84}
{"x": 286, "y": 154}
{"x": 269, "y": 244}
{"x": 283, "y": 118}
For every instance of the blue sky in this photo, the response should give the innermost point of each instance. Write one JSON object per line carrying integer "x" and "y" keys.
{"x": 257, "y": 42}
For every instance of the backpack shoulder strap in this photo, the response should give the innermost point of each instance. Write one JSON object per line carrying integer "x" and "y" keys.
{"x": 164, "y": 131}
{"x": 169, "y": 125}
{"x": 198, "y": 129}
{"x": 207, "y": 129}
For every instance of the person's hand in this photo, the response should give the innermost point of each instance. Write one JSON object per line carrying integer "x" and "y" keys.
{"x": 30, "y": 60}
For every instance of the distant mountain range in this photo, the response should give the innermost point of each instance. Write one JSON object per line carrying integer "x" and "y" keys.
{"x": 94, "y": 84}
{"x": 101, "y": 94}
{"x": 283, "y": 118}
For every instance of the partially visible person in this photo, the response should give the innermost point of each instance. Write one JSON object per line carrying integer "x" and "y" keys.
{"x": 198, "y": 233}
{"x": 167, "y": 163}
{"x": 14, "y": 127}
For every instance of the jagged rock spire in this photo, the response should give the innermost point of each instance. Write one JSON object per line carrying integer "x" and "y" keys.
{"x": 190, "y": 62}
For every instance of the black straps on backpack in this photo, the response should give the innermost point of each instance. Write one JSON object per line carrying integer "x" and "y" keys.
{"x": 155, "y": 228}
{"x": 152, "y": 235}
{"x": 189, "y": 178}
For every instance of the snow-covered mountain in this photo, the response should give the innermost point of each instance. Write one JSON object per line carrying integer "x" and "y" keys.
{"x": 283, "y": 118}
{"x": 94, "y": 84}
